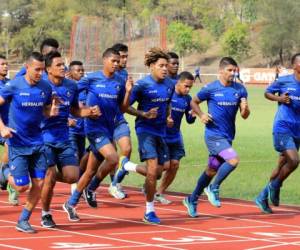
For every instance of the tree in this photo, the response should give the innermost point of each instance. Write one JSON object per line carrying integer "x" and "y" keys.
{"x": 235, "y": 41}
{"x": 185, "y": 39}
{"x": 280, "y": 29}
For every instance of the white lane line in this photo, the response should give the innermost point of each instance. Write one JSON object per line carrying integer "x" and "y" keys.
{"x": 145, "y": 232}
{"x": 231, "y": 228}
{"x": 14, "y": 247}
{"x": 141, "y": 244}
{"x": 85, "y": 223}
{"x": 268, "y": 246}
{"x": 181, "y": 228}
{"x": 37, "y": 237}
{"x": 267, "y": 215}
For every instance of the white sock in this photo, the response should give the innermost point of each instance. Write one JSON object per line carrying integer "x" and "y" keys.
{"x": 45, "y": 212}
{"x": 149, "y": 207}
{"x": 130, "y": 166}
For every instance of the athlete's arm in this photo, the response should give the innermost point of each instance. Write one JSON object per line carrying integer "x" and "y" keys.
{"x": 126, "y": 101}
{"x": 91, "y": 112}
{"x": 5, "y": 131}
{"x": 283, "y": 98}
{"x": 204, "y": 117}
{"x": 244, "y": 108}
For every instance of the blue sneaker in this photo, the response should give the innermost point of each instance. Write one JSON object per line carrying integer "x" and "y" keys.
{"x": 263, "y": 205}
{"x": 191, "y": 208}
{"x": 274, "y": 195}
{"x": 213, "y": 196}
{"x": 151, "y": 218}
{"x": 25, "y": 227}
{"x": 121, "y": 172}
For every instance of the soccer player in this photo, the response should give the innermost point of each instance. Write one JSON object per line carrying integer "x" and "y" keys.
{"x": 122, "y": 132}
{"x": 12, "y": 193}
{"x": 48, "y": 45}
{"x": 180, "y": 106}
{"x": 224, "y": 97}
{"x": 153, "y": 93}
{"x": 106, "y": 90}
{"x": 173, "y": 67}
{"x": 30, "y": 99}
{"x": 59, "y": 151}
{"x": 286, "y": 133}
{"x": 76, "y": 125}
{"x": 197, "y": 74}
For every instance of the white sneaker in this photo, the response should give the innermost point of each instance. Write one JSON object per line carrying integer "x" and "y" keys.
{"x": 161, "y": 198}
{"x": 115, "y": 192}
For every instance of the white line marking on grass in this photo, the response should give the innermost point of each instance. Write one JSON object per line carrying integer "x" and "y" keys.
{"x": 14, "y": 247}
{"x": 145, "y": 232}
{"x": 37, "y": 237}
{"x": 230, "y": 228}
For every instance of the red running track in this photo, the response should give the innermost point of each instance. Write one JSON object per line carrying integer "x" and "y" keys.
{"x": 118, "y": 225}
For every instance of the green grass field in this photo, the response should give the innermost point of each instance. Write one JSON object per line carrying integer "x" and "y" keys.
{"x": 253, "y": 143}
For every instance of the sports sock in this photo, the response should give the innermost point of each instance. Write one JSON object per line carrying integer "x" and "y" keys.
{"x": 202, "y": 183}
{"x": 74, "y": 198}
{"x": 94, "y": 184}
{"x": 264, "y": 193}
{"x": 25, "y": 214}
{"x": 276, "y": 183}
{"x": 224, "y": 170}
{"x": 149, "y": 207}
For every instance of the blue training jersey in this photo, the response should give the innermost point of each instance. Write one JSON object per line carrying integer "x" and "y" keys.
{"x": 223, "y": 103}
{"x": 22, "y": 72}
{"x": 174, "y": 80}
{"x": 287, "y": 118}
{"x": 151, "y": 94}
{"x": 5, "y": 107}
{"x": 55, "y": 129}
{"x": 78, "y": 129}
{"x": 108, "y": 94}
{"x": 180, "y": 105}
{"x": 26, "y": 110}
{"x": 124, "y": 75}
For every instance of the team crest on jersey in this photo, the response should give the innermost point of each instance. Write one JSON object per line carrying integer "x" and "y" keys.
{"x": 68, "y": 93}
{"x": 118, "y": 87}
{"x": 43, "y": 94}
{"x": 169, "y": 90}
{"x": 12, "y": 167}
{"x": 237, "y": 95}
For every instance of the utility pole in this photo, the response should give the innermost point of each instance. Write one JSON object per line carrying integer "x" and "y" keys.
{"x": 124, "y": 21}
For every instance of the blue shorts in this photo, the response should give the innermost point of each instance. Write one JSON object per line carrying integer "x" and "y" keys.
{"x": 216, "y": 145}
{"x": 175, "y": 150}
{"x": 152, "y": 146}
{"x": 283, "y": 142}
{"x": 122, "y": 130}
{"x": 26, "y": 163}
{"x": 78, "y": 143}
{"x": 98, "y": 140}
{"x": 61, "y": 154}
